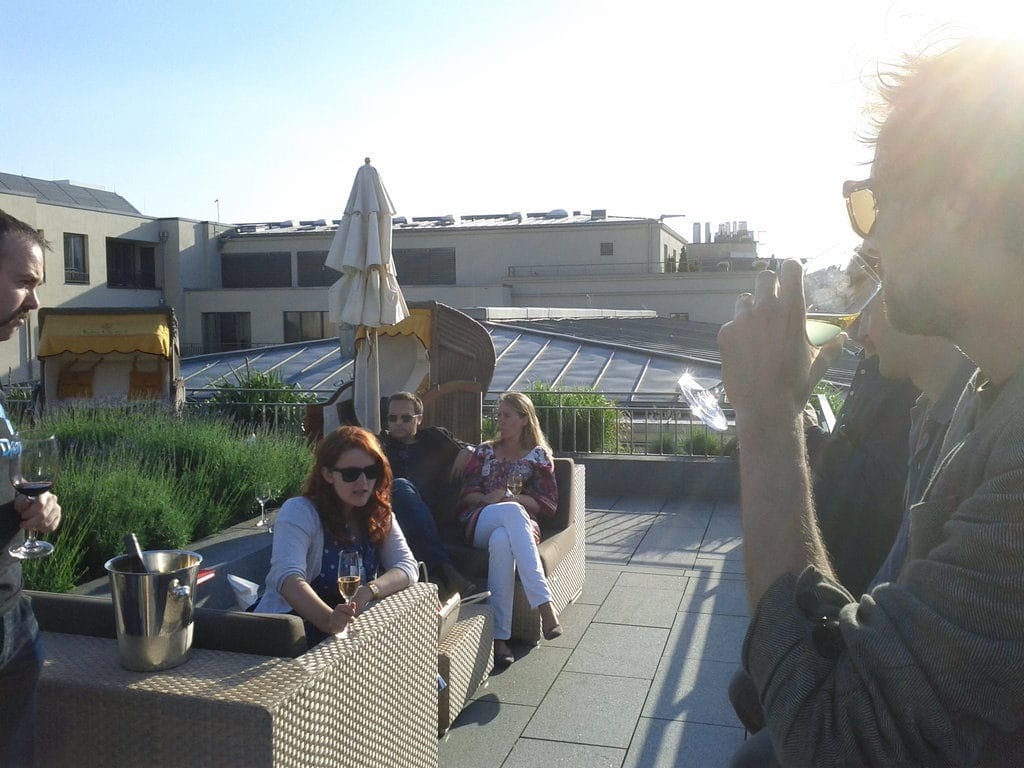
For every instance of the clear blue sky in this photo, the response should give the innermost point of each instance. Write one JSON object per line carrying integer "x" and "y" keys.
{"x": 733, "y": 111}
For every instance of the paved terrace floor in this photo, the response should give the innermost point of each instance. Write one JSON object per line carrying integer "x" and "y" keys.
{"x": 639, "y": 678}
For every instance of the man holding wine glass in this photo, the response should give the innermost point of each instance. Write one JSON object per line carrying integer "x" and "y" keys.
{"x": 21, "y": 272}
{"x": 927, "y": 669}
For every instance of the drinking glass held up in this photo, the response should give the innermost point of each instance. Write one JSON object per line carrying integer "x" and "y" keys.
{"x": 34, "y": 467}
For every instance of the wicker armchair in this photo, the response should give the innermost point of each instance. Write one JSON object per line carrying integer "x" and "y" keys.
{"x": 369, "y": 700}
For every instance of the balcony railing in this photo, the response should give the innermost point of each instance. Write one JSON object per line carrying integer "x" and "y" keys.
{"x": 660, "y": 427}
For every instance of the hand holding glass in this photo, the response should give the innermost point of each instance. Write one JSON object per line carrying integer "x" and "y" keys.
{"x": 515, "y": 483}
{"x": 34, "y": 468}
{"x": 837, "y": 288}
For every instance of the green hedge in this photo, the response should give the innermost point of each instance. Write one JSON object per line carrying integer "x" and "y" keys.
{"x": 170, "y": 480}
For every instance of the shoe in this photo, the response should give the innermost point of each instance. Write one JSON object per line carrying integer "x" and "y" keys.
{"x": 502, "y": 654}
{"x": 456, "y": 581}
{"x": 549, "y": 621}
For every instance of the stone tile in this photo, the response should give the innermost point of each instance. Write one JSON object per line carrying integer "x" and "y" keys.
{"x": 617, "y": 528}
{"x": 696, "y": 511}
{"x": 721, "y": 565}
{"x": 668, "y": 545}
{"x": 648, "y": 580}
{"x": 596, "y": 502}
{"x": 674, "y": 744}
{"x": 727, "y": 507}
{"x": 589, "y": 709}
{"x": 619, "y": 649}
{"x": 710, "y": 636}
{"x": 534, "y": 753}
{"x": 641, "y": 606}
{"x": 574, "y": 620}
{"x": 528, "y": 680}
{"x": 693, "y": 689}
{"x": 610, "y": 554}
{"x": 725, "y": 527}
{"x": 598, "y": 582}
{"x": 639, "y": 503}
{"x": 483, "y": 735}
{"x": 713, "y": 594}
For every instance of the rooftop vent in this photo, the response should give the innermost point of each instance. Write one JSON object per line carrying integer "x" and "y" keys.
{"x": 557, "y": 213}
{"x": 598, "y": 214}
{"x": 399, "y": 220}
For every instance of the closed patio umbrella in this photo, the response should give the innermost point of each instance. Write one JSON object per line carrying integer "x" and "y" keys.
{"x": 367, "y": 293}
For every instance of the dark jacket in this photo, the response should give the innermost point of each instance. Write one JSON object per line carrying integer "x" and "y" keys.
{"x": 860, "y": 472}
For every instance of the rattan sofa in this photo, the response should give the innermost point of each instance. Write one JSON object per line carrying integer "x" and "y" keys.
{"x": 368, "y": 700}
{"x": 562, "y": 551}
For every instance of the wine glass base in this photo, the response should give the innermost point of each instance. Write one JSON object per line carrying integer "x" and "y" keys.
{"x": 261, "y": 523}
{"x": 35, "y": 551}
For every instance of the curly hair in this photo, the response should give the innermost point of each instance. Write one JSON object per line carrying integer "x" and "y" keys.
{"x": 375, "y": 515}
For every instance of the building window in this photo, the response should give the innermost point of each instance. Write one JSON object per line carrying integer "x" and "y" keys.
{"x": 130, "y": 265}
{"x": 607, "y": 249}
{"x": 226, "y": 331}
{"x": 425, "y": 266}
{"x": 256, "y": 270}
{"x": 306, "y": 326}
{"x": 313, "y": 273}
{"x": 76, "y": 259}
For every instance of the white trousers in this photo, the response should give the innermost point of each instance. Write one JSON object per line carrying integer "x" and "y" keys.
{"x": 504, "y": 529}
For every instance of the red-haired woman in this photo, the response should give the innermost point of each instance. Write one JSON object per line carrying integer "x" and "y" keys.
{"x": 346, "y": 504}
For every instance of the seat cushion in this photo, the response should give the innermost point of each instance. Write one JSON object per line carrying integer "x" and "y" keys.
{"x": 263, "y": 634}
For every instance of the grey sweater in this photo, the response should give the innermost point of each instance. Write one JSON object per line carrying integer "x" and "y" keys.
{"x": 928, "y": 670}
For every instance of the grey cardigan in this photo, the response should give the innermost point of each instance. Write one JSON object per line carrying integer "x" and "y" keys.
{"x": 299, "y": 547}
{"x": 928, "y": 670}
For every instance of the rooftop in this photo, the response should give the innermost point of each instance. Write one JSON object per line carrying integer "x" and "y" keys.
{"x": 67, "y": 193}
{"x": 556, "y": 217}
{"x": 640, "y": 677}
{"x": 637, "y": 358}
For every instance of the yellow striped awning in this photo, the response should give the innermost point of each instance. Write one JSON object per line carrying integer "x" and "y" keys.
{"x": 102, "y": 334}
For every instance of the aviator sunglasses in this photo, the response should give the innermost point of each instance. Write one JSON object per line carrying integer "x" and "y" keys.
{"x": 861, "y": 206}
{"x": 351, "y": 474}
{"x": 405, "y": 418}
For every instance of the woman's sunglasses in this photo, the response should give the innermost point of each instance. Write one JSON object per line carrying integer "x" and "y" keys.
{"x": 351, "y": 474}
{"x": 861, "y": 206}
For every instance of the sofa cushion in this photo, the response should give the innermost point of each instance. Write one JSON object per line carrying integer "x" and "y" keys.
{"x": 263, "y": 634}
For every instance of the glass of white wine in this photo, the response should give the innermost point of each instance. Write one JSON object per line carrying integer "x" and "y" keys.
{"x": 350, "y": 573}
{"x": 515, "y": 483}
{"x": 838, "y": 285}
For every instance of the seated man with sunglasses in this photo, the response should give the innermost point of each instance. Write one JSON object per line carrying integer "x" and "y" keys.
{"x": 423, "y": 491}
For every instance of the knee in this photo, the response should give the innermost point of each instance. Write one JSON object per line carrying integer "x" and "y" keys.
{"x": 499, "y": 541}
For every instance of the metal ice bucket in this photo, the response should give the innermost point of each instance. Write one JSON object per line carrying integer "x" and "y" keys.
{"x": 153, "y": 611}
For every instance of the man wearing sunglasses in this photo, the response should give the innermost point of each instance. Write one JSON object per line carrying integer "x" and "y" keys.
{"x": 929, "y": 669}
{"x": 423, "y": 492}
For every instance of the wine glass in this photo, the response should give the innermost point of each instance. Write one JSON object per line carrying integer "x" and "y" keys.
{"x": 838, "y": 285}
{"x": 264, "y": 493}
{"x": 34, "y": 467}
{"x": 515, "y": 483}
{"x": 350, "y": 573}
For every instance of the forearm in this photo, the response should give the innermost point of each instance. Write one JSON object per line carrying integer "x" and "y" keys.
{"x": 306, "y": 603}
{"x": 780, "y": 533}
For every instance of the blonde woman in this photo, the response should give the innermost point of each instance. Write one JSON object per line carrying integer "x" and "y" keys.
{"x": 505, "y": 522}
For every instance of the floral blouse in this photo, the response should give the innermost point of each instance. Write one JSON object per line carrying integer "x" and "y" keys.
{"x": 485, "y": 472}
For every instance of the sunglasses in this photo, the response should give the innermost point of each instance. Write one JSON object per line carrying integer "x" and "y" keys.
{"x": 861, "y": 206}
{"x": 351, "y": 474}
{"x": 405, "y": 418}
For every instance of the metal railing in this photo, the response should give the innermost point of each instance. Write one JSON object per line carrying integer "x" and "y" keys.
{"x": 573, "y": 422}
{"x": 584, "y": 422}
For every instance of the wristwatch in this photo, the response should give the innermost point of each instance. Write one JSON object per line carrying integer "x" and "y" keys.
{"x": 509, "y": 494}
{"x": 374, "y": 589}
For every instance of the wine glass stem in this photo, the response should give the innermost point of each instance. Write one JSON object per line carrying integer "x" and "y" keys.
{"x": 263, "y": 512}
{"x": 31, "y": 535}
